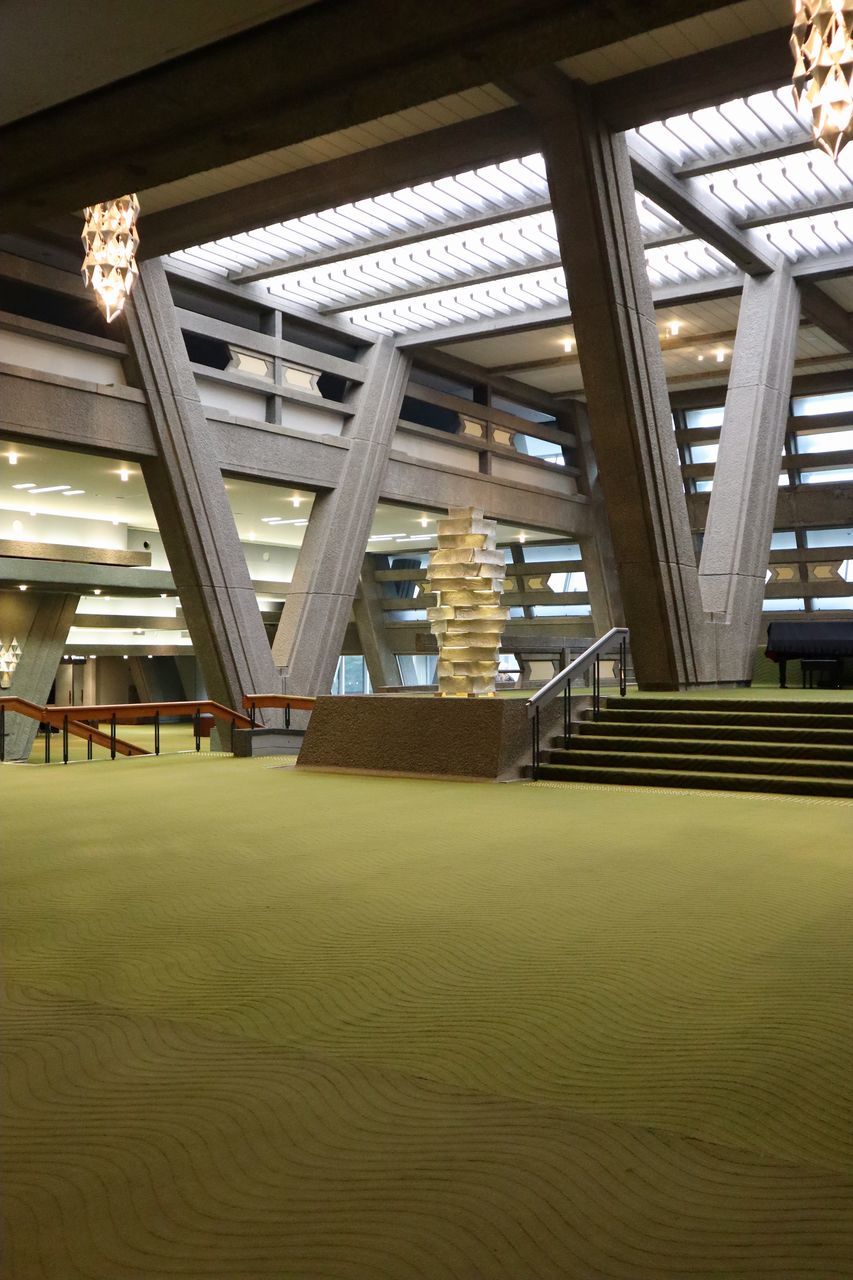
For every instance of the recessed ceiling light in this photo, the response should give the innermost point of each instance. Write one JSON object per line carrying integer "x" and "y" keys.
{"x": 124, "y": 655}
{"x": 72, "y": 493}
{"x": 721, "y": 355}
{"x": 29, "y": 485}
{"x": 568, "y": 345}
{"x": 97, "y": 591}
{"x": 296, "y": 500}
{"x": 700, "y": 358}
{"x": 92, "y": 655}
{"x": 522, "y": 537}
{"x": 124, "y": 475}
{"x": 424, "y": 521}
{"x": 13, "y": 458}
{"x": 162, "y": 595}
{"x": 251, "y": 535}
{"x": 22, "y": 586}
{"x": 674, "y": 328}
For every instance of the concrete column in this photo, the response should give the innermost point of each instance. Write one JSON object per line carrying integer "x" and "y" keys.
{"x": 189, "y": 500}
{"x": 372, "y": 632}
{"x": 40, "y": 623}
{"x": 736, "y": 548}
{"x": 320, "y": 599}
{"x": 599, "y": 560}
{"x": 592, "y": 191}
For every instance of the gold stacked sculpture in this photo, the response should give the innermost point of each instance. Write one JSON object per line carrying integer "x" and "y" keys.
{"x": 466, "y": 573}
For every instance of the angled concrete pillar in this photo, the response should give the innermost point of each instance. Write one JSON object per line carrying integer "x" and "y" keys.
{"x": 372, "y": 632}
{"x": 736, "y": 547}
{"x": 592, "y": 191}
{"x": 320, "y": 598}
{"x": 189, "y": 500}
{"x": 40, "y": 623}
{"x": 599, "y": 560}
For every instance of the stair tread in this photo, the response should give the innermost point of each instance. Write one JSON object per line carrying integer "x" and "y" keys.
{"x": 685, "y": 773}
{"x": 698, "y": 755}
{"x": 743, "y": 743}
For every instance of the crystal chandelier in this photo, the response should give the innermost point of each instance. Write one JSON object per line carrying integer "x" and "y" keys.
{"x": 822, "y": 43}
{"x": 110, "y": 241}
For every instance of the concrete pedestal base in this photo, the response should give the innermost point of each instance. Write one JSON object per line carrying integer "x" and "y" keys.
{"x": 421, "y": 737}
{"x": 267, "y": 742}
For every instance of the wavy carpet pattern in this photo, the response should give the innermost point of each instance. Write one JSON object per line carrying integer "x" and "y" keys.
{"x": 264, "y": 1024}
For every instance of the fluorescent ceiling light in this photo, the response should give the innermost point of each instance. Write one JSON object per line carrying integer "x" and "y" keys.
{"x": 51, "y": 488}
{"x": 29, "y": 485}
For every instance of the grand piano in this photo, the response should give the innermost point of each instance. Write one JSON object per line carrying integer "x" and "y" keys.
{"x": 813, "y": 641}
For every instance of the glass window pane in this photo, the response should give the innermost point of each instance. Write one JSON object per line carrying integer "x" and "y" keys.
{"x": 544, "y": 450}
{"x": 784, "y": 540}
{"x": 831, "y": 603}
{"x": 809, "y": 406}
{"x": 704, "y": 417}
{"x": 825, "y": 442}
{"x": 561, "y": 610}
{"x": 704, "y": 486}
{"x": 829, "y": 537}
{"x": 551, "y": 551}
{"x": 703, "y": 452}
{"x": 827, "y": 475}
{"x": 783, "y": 606}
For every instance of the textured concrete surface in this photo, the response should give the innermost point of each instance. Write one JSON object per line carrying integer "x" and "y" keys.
{"x": 432, "y": 736}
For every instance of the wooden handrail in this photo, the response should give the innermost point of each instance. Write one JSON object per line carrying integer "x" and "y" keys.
{"x": 78, "y": 730}
{"x": 278, "y": 700}
{"x": 130, "y": 712}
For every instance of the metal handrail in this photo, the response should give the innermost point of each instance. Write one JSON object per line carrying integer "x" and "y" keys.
{"x": 562, "y": 683}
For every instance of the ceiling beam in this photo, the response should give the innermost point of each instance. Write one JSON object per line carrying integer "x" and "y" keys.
{"x": 737, "y": 159}
{"x": 311, "y": 72}
{"x": 671, "y": 295}
{"x": 826, "y": 313}
{"x": 704, "y": 215}
{"x": 345, "y": 252}
{"x": 485, "y": 275}
{"x": 490, "y": 139}
{"x": 700, "y": 80}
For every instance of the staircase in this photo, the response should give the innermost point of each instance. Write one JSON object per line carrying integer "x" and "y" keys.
{"x": 725, "y": 744}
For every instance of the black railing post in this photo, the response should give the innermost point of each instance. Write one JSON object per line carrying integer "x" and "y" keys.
{"x": 536, "y": 744}
{"x": 623, "y": 663}
{"x": 252, "y": 714}
{"x": 47, "y": 744}
{"x": 233, "y": 728}
{"x": 157, "y": 732}
{"x": 2, "y": 735}
{"x": 197, "y": 729}
{"x": 89, "y": 748}
{"x": 113, "y": 736}
{"x": 65, "y": 739}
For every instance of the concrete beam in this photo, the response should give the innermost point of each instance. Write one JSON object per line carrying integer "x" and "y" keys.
{"x": 293, "y": 78}
{"x": 372, "y": 632}
{"x": 702, "y": 214}
{"x": 189, "y": 500}
{"x": 736, "y": 546}
{"x": 827, "y": 314}
{"x": 40, "y": 624}
{"x": 699, "y": 80}
{"x": 69, "y": 412}
{"x": 592, "y": 188}
{"x": 320, "y": 599}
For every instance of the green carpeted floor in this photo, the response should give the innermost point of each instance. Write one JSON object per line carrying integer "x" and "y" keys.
{"x": 264, "y": 1024}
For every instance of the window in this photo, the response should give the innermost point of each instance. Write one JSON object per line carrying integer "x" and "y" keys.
{"x": 704, "y": 486}
{"x": 825, "y": 442}
{"x": 784, "y": 606}
{"x": 827, "y": 475}
{"x": 703, "y": 452}
{"x": 551, "y": 551}
{"x": 811, "y": 406}
{"x": 833, "y": 602}
{"x": 562, "y": 582}
{"x": 561, "y": 611}
{"x": 545, "y": 450}
{"x": 783, "y": 540}
{"x": 829, "y": 537}
{"x": 417, "y": 668}
{"x": 351, "y": 675}
{"x": 704, "y": 417}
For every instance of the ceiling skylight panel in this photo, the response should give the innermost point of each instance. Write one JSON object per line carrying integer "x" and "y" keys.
{"x": 819, "y": 236}
{"x": 195, "y": 258}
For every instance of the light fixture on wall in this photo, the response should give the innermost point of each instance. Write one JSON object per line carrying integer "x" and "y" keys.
{"x": 822, "y": 44}
{"x": 110, "y": 240}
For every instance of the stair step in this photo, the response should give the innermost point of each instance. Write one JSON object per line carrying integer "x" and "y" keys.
{"x": 687, "y": 780}
{"x": 725, "y": 731}
{"x": 704, "y": 745}
{"x": 721, "y": 716}
{"x": 702, "y": 763}
{"x": 785, "y": 706}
